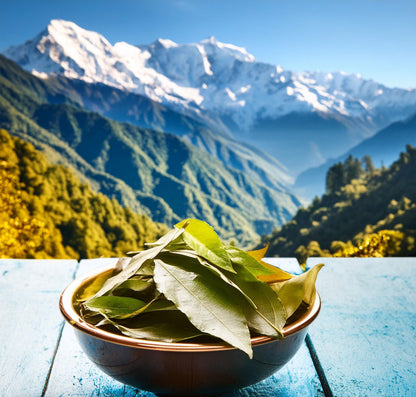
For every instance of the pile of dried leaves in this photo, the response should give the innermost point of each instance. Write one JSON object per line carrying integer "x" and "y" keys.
{"x": 189, "y": 284}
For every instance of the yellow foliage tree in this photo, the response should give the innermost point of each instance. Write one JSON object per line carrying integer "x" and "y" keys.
{"x": 21, "y": 236}
{"x": 380, "y": 244}
{"x": 46, "y": 212}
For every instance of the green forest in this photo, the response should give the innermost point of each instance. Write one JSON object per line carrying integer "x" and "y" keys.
{"x": 366, "y": 211}
{"x": 46, "y": 212}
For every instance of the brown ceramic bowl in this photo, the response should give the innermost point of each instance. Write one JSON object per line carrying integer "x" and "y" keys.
{"x": 181, "y": 368}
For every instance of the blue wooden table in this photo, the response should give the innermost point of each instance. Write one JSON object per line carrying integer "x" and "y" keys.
{"x": 362, "y": 344}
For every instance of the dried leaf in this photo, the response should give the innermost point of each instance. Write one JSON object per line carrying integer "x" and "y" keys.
{"x": 134, "y": 285}
{"x": 260, "y": 253}
{"x": 277, "y": 274}
{"x": 268, "y": 318}
{"x": 299, "y": 288}
{"x": 218, "y": 272}
{"x": 209, "y": 303}
{"x": 241, "y": 257}
{"x": 93, "y": 287}
{"x": 137, "y": 261}
{"x": 202, "y": 238}
{"x": 115, "y": 306}
{"x": 166, "y": 326}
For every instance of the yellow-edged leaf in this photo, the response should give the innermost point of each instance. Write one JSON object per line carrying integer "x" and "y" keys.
{"x": 260, "y": 253}
{"x": 299, "y": 288}
{"x": 275, "y": 277}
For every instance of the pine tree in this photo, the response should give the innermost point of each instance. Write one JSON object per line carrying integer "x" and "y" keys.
{"x": 335, "y": 178}
{"x": 369, "y": 168}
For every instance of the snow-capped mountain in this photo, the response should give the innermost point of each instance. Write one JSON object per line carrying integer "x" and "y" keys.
{"x": 224, "y": 80}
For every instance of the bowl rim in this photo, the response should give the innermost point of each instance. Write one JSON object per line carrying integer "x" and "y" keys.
{"x": 69, "y": 313}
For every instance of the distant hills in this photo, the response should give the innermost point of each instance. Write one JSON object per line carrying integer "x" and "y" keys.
{"x": 301, "y": 119}
{"x": 383, "y": 147}
{"x": 152, "y": 172}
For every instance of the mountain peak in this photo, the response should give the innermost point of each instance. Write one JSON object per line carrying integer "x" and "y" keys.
{"x": 208, "y": 75}
{"x": 65, "y": 48}
{"x": 62, "y": 24}
{"x": 239, "y": 53}
{"x": 67, "y": 32}
{"x": 164, "y": 43}
{"x": 209, "y": 40}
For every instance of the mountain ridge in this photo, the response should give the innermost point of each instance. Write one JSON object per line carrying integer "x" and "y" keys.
{"x": 91, "y": 57}
{"x": 214, "y": 78}
{"x": 152, "y": 172}
{"x": 139, "y": 110}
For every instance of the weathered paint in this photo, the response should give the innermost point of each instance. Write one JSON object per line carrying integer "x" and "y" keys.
{"x": 365, "y": 335}
{"x": 30, "y": 322}
{"x": 297, "y": 378}
{"x": 73, "y": 374}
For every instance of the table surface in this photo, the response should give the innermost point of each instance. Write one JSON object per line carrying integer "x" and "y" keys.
{"x": 362, "y": 344}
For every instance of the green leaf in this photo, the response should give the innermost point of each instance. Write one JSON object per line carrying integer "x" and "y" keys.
{"x": 299, "y": 288}
{"x": 269, "y": 317}
{"x": 243, "y": 258}
{"x": 167, "y": 257}
{"x": 202, "y": 238}
{"x": 134, "y": 285}
{"x": 166, "y": 326}
{"x": 115, "y": 306}
{"x": 138, "y": 261}
{"x": 208, "y": 302}
{"x": 159, "y": 305}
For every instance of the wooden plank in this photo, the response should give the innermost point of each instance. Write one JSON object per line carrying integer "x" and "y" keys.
{"x": 365, "y": 335}
{"x": 290, "y": 265}
{"x": 88, "y": 265}
{"x": 297, "y": 378}
{"x": 30, "y": 322}
{"x": 74, "y": 375}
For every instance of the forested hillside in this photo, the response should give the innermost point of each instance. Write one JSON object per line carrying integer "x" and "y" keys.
{"x": 366, "y": 211}
{"x": 46, "y": 212}
{"x": 151, "y": 172}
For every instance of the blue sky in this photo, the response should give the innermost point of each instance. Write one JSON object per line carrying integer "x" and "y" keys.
{"x": 375, "y": 38}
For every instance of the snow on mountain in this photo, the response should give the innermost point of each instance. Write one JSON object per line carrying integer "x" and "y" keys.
{"x": 65, "y": 48}
{"x": 210, "y": 75}
{"x": 362, "y": 95}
